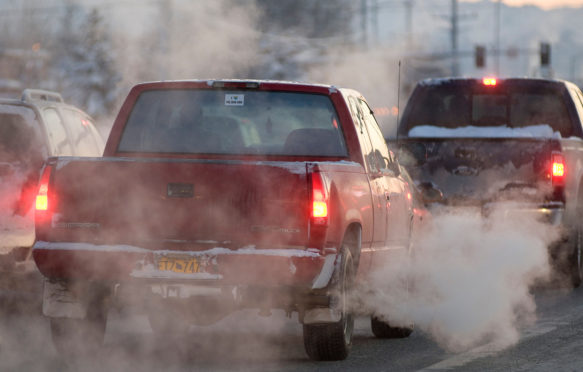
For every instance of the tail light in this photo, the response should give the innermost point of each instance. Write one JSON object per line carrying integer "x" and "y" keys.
{"x": 489, "y": 81}
{"x": 558, "y": 169}
{"x": 44, "y": 202}
{"x": 319, "y": 210}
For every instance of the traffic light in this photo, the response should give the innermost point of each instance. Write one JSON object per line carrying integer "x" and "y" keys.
{"x": 545, "y": 54}
{"x": 480, "y": 55}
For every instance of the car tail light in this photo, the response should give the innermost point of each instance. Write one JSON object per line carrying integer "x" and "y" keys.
{"x": 43, "y": 199}
{"x": 558, "y": 169}
{"x": 490, "y": 81}
{"x": 319, "y": 210}
{"x": 42, "y": 203}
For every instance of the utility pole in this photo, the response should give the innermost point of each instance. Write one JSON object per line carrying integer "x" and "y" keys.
{"x": 455, "y": 67}
{"x": 375, "y": 20}
{"x": 409, "y": 12}
{"x": 497, "y": 37}
{"x": 165, "y": 35}
{"x": 363, "y": 19}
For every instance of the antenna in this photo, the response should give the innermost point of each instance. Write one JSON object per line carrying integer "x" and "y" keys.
{"x": 398, "y": 103}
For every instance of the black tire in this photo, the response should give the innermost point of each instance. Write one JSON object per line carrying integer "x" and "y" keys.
{"x": 382, "y": 329}
{"x": 576, "y": 259}
{"x": 333, "y": 341}
{"x": 74, "y": 338}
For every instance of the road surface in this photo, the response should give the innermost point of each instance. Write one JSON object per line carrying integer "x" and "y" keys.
{"x": 248, "y": 342}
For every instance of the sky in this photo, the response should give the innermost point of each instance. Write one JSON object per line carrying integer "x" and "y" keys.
{"x": 545, "y": 4}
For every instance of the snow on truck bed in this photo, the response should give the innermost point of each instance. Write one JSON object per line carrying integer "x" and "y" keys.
{"x": 534, "y": 131}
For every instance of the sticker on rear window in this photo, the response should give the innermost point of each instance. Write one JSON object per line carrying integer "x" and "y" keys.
{"x": 234, "y": 99}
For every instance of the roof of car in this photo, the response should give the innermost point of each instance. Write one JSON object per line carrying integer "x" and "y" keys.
{"x": 251, "y": 83}
{"x": 37, "y": 98}
{"x": 451, "y": 80}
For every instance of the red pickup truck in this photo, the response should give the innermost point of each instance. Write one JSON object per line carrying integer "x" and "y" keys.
{"x": 214, "y": 196}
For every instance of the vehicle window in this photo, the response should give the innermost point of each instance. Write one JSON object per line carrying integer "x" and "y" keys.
{"x": 82, "y": 137}
{"x": 57, "y": 133}
{"x": 363, "y": 135}
{"x": 454, "y": 106}
{"x": 489, "y": 109}
{"x": 447, "y": 108}
{"x": 233, "y": 122}
{"x": 381, "y": 152}
{"x": 19, "y": 141}
{"x": 535, "y": 108}
{"x": 578, "y": 98}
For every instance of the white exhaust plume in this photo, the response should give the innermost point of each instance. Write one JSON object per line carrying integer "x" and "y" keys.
{"x": 16, "y": 230}
{"x": 469, "y": 278}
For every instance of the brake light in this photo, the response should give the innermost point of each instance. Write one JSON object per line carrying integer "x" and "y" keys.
{"x": 42, "y": 197}
{"x": 490, "y": 81}
{"x": 558, "y": 168}
{"x": 319, "y": 200}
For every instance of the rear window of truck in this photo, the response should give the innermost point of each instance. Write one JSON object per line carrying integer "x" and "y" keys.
{"x": 463, "y": 105}
{"x": 238, "y": 122}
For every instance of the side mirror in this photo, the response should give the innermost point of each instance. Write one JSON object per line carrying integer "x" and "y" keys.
{"x": 430, "y": 193}
{"x": 393, "y": 166}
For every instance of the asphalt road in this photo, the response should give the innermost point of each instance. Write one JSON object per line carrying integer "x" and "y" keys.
{"x": 248, "y": 342}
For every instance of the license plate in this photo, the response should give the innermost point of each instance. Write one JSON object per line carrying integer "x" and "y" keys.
{"x": 185, "y": 265}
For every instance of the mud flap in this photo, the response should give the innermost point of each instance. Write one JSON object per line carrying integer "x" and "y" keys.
{"x": 330, "y": 267}
{"x": 60, "y": 302}
{"x": 329, "y": 277}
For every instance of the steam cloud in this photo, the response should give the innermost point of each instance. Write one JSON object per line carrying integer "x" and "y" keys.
{"x": 195, "y": 40}
{"x": 374, "y": 74}
{"x": 15, "y": 230}
{"x": 469, "y": 278}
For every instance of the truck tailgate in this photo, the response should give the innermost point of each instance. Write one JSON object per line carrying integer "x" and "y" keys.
{"x": 479, "y": 170}
{"x": 181, "y": 204}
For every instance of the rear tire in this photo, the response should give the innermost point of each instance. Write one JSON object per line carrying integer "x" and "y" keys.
{"x": 576, "y": 259}
{"x": 333, "y": 341}
{"x": 382, "y": 329}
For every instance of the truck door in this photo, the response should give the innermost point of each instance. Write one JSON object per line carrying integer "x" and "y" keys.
{"x": 376, "y": 180}
{"x": 393, "y": 194}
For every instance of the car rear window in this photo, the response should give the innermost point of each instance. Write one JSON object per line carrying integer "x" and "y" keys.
{"x": 457, "y": 105}
{"x": 233, "y": 122}
{"x": 20, "y": 135}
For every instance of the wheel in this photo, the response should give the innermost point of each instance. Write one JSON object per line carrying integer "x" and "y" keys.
{"x": 332, "y": 341}
{"x": 576, "y": 259}
{"x": 382, "y": 329}
{"x": 81, "y": 337}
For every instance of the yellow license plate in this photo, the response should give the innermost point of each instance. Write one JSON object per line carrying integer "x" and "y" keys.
{"x": 188, "y": 265}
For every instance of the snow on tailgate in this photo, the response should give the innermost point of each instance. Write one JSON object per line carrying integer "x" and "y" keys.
{"x": 249, "y": 250}
{"x": 534, "y": 131}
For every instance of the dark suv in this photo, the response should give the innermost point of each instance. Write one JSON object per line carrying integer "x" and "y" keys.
{"x": 32, "y": 128}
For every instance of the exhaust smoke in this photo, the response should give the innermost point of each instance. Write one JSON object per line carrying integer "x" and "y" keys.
{"x": 468, "y": 278}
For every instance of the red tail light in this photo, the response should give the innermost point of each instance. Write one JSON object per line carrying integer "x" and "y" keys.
{"x": 43, "y": 200}
{"x": 490, "y": 81}
{"x": 558, "y": 169}
{"x": 319, "y": 212}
